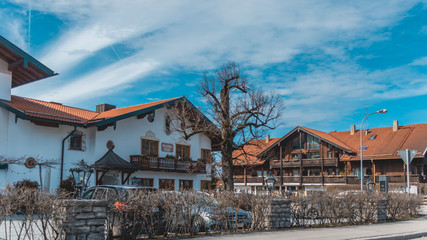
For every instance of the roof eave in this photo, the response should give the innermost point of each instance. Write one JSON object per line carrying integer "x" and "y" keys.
{"x": 26, "y": 56}
{"x": 22, "y": 115}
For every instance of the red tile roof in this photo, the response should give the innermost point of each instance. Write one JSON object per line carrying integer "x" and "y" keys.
{"x": 384, "y": 146}
{"x": 52, "y": 111}
{"x": 248, "y": 156}
{"x": 120, "y": 111}
{"x": 387, "y": 141}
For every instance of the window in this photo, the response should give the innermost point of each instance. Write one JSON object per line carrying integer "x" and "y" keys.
{"x": 145, "y": 182}
{"x": 167, "y": 184}
{"x": 182, "y": 151}
{"x": 259, "y": 173}
{"x": 76, "y": 141}
{"x": 372, "y": 137}
{"x": 205, "y": 185}
{"x": 185, "y": 184}
{"x": 313, "y": 155}
{"x": 206, "y": 154}
{"x": 295, "y": 172}
{"x": 329, "y": 154}
{"x": 296, "y": 142}
{"x": 149, "y": 147}
{"x": 312, "y": 142}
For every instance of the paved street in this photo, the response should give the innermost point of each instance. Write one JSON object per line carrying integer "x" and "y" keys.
{"x": 411, "y": 229}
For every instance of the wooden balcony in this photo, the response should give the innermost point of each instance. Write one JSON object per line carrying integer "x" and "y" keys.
{"x": 309, "y": 162}
{"x": 168, "y": 165}
{"x": 328, "y": 179}
{"x": 240, "y": 179}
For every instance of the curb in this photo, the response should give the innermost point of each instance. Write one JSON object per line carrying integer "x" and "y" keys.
{"x": 401, "y": 236}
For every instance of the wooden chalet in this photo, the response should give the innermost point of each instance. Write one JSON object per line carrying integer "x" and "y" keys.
{"x": 308, "y": 157}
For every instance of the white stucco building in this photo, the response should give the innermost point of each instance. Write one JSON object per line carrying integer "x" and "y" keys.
{"x": 40, "y": 140}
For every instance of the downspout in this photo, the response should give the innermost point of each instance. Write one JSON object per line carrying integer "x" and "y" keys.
{"x": 62, "y": 153}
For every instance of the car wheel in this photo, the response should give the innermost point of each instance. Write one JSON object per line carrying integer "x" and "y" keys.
{"x": 198, "y": 225}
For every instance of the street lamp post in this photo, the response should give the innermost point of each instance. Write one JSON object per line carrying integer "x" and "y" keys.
{"x": 361, "y": 146}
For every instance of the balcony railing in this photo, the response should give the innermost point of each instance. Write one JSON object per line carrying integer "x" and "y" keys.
{"x": 165, "y": 164}
{"x": 328, "y": 179}
{"x": 308, "y": 162}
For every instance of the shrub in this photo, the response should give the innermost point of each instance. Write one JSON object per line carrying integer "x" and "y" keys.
{"x": 26, "y": 183}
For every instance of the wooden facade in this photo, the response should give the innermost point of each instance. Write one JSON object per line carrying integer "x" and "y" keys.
{"x": 310, "y": 157}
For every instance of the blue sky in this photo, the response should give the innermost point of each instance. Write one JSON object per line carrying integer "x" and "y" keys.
{"x": 331, "y": 61}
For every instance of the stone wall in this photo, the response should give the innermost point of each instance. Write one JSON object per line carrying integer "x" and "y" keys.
{"x": 80, "y": 220}
{"x": 279, "y": 214}
{"x": 381, "y": 210}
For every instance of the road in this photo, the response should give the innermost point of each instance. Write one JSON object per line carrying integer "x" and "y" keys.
{"x": 411, "y": 229}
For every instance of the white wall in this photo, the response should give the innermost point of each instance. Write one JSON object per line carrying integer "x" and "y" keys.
{"x": 25, "y": 139}
{"x": 5, "y": 81}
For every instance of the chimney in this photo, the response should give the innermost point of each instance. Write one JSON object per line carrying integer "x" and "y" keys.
{"x": 352, "y": 129}
{"x": 104, "y": 107}
{"x": 395, "y": 125}
{"x": 267, "y": 138}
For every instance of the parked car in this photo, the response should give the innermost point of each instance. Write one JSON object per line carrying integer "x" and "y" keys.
{"x": 117, "y": 218}
{"x": 208, "y": 215}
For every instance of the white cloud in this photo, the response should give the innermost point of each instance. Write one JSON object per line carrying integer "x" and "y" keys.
{"x": 197, "y": 36}
{"x": 102, "y": 82}
{"x": 420, "y": 62}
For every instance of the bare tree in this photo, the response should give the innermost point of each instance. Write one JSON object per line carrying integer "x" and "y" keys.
{"x": 239, "y": 114}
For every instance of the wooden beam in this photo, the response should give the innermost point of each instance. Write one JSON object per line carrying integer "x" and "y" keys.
{"x": 323, "y": 162}
{"x": 300, "y": 158}
{"x": 281, "y": 166}
{"x": 100, "y": 179}
{"x": 14, "y": 65}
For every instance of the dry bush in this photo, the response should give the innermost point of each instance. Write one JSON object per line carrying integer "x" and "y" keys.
{"x": 402, "y": 206}
{"x": 26, "y": 213}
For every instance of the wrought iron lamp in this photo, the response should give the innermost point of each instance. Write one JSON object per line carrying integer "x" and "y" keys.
{"x": 370, "y": 186}
{"x": 270, "y": 181}
{"x": 81, "y": 174}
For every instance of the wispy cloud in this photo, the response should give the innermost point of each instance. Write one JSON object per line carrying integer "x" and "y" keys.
{"x": 104, "y": 81}
{"x": 195, "y": 36}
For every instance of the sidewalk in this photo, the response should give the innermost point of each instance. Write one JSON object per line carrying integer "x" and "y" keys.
{"x": 393, "y": 230}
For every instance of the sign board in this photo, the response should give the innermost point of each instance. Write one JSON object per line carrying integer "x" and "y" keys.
{"x": 407, "y": 155}
{"x": 167, "y": 147}
{"x": 383, "y": 183}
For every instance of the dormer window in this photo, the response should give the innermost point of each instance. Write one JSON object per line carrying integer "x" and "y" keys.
{"x": 364, "y": 148}
{"x": 372, "y": 137}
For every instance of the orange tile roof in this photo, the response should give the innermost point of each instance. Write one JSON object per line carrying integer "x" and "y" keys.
{"x": 384, "y": 146}
{"x": 387, "y": 142}
{"x": 248, "y": 156}
{"x": 120, "y": 111}
{"x": 52, "y": 111}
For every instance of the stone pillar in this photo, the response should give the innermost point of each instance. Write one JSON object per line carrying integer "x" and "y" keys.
{"x": 278, "y": 214}
{"x": 381, "y": 210}
{"x": 80, "y": 219}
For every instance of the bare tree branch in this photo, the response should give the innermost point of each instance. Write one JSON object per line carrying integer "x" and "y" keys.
{"x": 239, "y": 115}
